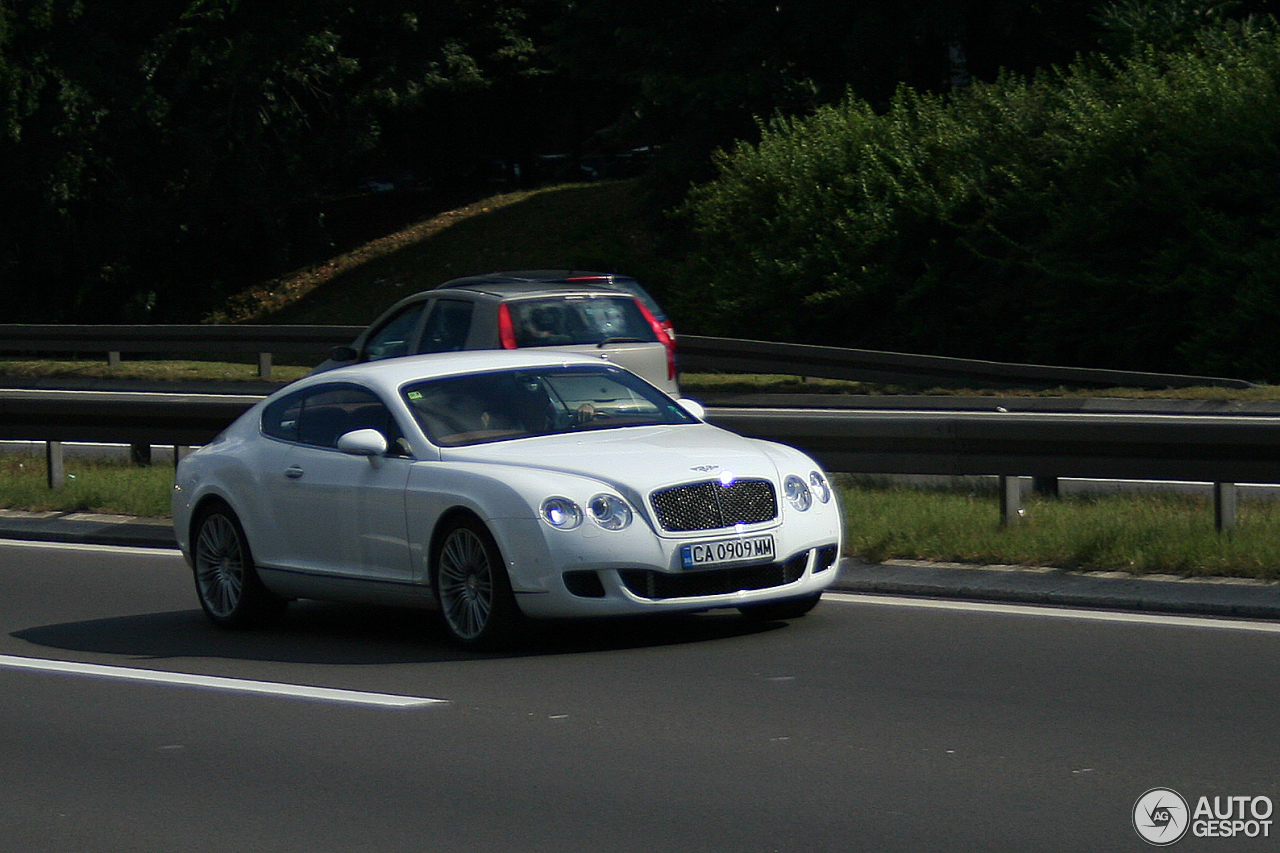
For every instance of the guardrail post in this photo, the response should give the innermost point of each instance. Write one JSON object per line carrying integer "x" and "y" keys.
{"x": 1011, "y": 511}
{"x": 264, "y": 365}
{"x": 140, "y": 454}
{"x": 1045, "y": 486}
{"x": 54, "y": 466}
{"x": 1225, "y": 500}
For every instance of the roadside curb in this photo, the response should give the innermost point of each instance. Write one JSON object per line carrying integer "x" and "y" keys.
{"x": 1049, "y": 586}
{"x": 87, "y": 528}
{"x": 1012, "y": 584}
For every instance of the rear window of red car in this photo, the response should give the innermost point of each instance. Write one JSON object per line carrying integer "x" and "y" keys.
{"x": 560, "y": 321}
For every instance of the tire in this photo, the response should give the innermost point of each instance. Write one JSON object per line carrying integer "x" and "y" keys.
{"x": 471, "y": 584}
{"x": 227, "y": 584}
{"x": 773, "y": 611}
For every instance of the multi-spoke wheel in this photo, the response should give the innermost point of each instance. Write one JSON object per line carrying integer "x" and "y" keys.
{"x": 226, "y": 583}
{"x": 472, "y": 586}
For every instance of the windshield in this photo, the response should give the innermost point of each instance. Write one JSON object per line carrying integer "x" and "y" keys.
{"x": 483, "y": 407}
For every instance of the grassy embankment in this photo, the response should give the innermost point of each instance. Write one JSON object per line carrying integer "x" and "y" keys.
{"x": 598, "y": 226}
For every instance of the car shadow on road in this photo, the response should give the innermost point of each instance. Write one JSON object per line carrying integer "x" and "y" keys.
{"x": 323, "y": 633}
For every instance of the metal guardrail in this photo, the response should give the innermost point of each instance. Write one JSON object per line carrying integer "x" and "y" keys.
{"x": 116, "y": 339}
{"x": 695, "y": 353}
{"x": 123, "y": 417}
{"x": 736, "y": 356}
{"x": 1158, "y": 447}
{"x": 1219, "y": 449}
{"x": 1010, "y": 447}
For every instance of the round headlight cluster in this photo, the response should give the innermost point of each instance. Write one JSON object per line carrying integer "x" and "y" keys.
{"x": 609, "y": 511}
{"x": 797, "y": 492}
{"x": 819, "y": 486}
{"x": 561, "y": 513}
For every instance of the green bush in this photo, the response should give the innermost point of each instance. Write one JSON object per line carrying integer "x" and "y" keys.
{"x": 1112, "y": 213}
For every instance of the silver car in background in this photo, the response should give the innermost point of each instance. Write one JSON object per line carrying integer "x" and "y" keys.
{"x": 602, "y": 315}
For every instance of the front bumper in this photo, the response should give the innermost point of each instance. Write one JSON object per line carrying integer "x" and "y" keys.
{"x": 616, "y": 591}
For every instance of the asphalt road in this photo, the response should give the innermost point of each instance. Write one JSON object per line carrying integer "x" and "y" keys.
{"x": 874, "y": 724}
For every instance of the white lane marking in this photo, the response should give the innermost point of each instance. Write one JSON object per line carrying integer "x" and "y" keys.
{"x": 132, "y": 550}
{"x": 235, "y": 685}
{"x": 1050, "y": 611}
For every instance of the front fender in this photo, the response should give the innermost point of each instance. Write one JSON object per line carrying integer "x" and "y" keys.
{"x": 506, "y": 499}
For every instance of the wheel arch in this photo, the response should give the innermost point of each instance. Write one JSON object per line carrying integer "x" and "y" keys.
{"x": 205, "y": 504}
{"x": 446, "y": 521}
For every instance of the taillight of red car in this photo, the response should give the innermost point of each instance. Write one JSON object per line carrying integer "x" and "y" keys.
{"x": 667, "y": 338}
{"x": 506, "y": 329}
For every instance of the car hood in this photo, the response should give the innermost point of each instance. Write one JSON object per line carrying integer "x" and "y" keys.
{"x": 635, "y": 458}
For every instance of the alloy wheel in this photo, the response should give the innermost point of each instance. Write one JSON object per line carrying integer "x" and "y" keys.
{"x": 219, "y": 566}
{"x": 466, "y": 583}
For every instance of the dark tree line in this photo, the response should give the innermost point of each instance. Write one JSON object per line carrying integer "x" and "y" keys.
{"x": 157, "y": 155}
{"x": 154, "y": 155}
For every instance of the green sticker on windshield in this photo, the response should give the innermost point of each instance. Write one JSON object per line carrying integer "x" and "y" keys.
{"x": 415, "y": 395}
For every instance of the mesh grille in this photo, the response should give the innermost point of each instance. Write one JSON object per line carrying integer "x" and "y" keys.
{"x": 710, "y": 505}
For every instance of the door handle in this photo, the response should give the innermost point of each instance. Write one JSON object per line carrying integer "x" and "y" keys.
{"x": 293, "y": 472}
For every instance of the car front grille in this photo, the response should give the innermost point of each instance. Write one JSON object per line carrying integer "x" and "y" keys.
{"x": 712, "y": 506}
{"x": 646, "y": 583}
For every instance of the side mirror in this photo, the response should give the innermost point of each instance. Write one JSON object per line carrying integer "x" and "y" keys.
{"x": 693, "y": 407}
{"x": 343, "y": 354}
{"x": 363, "y": 442}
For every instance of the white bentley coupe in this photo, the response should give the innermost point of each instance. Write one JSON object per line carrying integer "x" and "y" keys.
{"x": 499, "y": 485}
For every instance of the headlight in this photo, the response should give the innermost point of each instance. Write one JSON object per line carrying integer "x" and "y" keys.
{"x": 797, "y": 492}
{"x": 819, "y": 485}
{"x": 610, "y": 511}
{"x": 561, "y": 513}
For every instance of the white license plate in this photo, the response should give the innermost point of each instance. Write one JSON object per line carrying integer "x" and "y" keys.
{"x": 748, "y": 549}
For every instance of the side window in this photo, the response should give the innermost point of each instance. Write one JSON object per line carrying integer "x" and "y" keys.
{"x": 392, "y": 338}
{"x": 447, "y": 326}
{"x": 319, "y": 416}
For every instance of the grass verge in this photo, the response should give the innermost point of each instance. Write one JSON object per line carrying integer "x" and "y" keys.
{"x": 159, "y": 371}
{"x": 93, "y": 485}
{"x": 1142, "y": 533}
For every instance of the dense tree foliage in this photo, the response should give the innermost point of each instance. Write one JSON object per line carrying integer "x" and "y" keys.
{"x": 701, "y": 73}
{"x": 1110, "y": 213}
{"x": 156, "y": 154}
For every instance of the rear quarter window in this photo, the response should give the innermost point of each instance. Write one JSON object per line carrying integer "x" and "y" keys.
{"x": 280, "y": 419}
{"x": 318, "y": 416}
